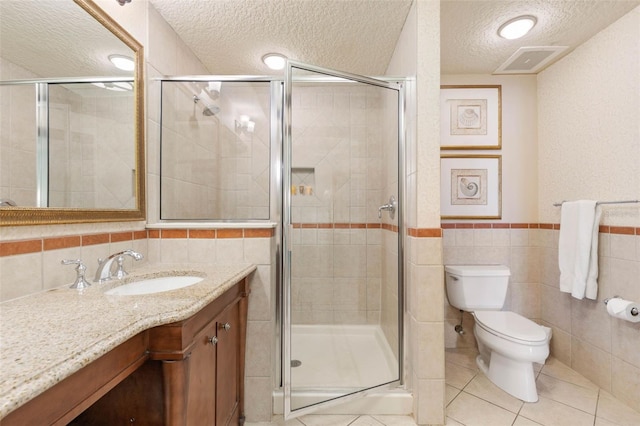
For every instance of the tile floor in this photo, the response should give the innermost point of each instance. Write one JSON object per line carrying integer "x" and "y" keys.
{"x": 566, "y": 399}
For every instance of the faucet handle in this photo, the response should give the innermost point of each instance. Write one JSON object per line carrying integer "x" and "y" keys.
{"x": 120, "y": 273}
{"x": 80, "y": 281}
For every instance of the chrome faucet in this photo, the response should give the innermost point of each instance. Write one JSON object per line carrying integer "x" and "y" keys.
{"x": 104, "y": 265}
{"x": 390, "y": 207}
{"x": 80, "y": 282}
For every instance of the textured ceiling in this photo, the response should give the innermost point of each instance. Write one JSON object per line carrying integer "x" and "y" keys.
{"x": 230, "y": 36}
{"x": 469, "y": 40}
{"x": 358, "y": 36}
{"x": 54, "y": 38}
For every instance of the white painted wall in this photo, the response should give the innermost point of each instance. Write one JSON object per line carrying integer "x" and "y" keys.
{"x": 519, "y": 143}
{"x": 589, "y": 124}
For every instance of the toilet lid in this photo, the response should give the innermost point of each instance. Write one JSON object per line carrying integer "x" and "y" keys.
{"x": 510, "y": 325}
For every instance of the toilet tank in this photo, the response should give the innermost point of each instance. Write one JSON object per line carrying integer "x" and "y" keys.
{"x": 476, "y": 287}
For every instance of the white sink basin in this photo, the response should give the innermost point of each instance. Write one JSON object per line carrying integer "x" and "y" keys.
{"x": 154, "y": 285}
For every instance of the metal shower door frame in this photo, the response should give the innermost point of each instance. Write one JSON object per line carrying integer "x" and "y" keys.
{"x": 285, "y": 291}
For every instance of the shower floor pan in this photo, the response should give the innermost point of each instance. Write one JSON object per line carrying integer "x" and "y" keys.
{"x": 334, "y": 360}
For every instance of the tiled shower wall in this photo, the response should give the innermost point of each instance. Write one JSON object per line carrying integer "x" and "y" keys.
{"x": 585, "y": 337}
{"x": 336, "y": 275}
{"x": 340, "y": 248}
{"x": 210, "y": 168}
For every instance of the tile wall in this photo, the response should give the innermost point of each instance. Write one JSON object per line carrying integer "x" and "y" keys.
{"x": 424, "y": 349}
{"x": 211, "y": 169}
{"x": 336, "y": 274}
{"x": 604, "y": 349}
{"x": 341, "y": 175}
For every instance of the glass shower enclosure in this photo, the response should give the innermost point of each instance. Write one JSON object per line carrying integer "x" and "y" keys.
{"x": 320, "y": 154}
{"x": 342, "y": 245}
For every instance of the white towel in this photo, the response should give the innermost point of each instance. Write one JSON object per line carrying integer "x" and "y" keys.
{"x": 578, "y": 248}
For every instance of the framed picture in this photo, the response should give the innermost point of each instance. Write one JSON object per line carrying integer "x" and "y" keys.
{"x": 470, "y": 117}
{"x": 471, "y": 186}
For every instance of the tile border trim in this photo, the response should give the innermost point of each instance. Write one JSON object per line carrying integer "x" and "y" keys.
{"x": 603, "y": 229}
{"x": 37, "y": 245}
{"x": 17, "y": 247}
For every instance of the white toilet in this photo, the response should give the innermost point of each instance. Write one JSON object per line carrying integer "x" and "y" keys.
{"x": 509, "y": 343}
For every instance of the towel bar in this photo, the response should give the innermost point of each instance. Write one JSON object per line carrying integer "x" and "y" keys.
{"x": 604, "y": 202}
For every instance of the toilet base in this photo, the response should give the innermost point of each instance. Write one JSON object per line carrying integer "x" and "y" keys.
{"x": 515, "y": 378}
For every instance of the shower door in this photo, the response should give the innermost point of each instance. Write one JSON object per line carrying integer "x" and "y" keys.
{"x": 342, "y": 257}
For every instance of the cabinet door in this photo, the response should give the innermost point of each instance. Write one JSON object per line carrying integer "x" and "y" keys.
{"x": 201, "y": 409}
{"x": 228, "y": 367}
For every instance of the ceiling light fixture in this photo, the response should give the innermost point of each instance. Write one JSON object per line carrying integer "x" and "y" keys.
{"x": 517, "y": 27}
{"x": 275, "y": 61}
{"x": 122, "y": 62}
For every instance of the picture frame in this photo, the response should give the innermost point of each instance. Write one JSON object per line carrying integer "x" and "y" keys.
{"x": 471, "y": 117}
{"x": 470, "y": 186}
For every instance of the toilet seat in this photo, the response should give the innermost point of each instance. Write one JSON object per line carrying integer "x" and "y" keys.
{"x": 511, "y": 326}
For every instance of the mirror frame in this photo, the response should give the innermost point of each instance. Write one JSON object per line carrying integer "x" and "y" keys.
{"x": 12, "y": 216}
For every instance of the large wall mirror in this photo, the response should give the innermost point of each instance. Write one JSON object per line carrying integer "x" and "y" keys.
{"x": 71, "y": 123}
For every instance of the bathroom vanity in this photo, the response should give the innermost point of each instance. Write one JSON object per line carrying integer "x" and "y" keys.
{"x": 167, "y": 358}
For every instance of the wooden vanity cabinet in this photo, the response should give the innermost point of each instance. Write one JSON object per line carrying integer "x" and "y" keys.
{"x": 197, "y": 363}
{"x": 213, "y": 373}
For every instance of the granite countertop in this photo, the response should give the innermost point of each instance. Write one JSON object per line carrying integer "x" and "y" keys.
{"x": 46, "y": 337}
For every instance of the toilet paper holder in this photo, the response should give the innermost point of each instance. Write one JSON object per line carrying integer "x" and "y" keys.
{"x": 634, "y": 311}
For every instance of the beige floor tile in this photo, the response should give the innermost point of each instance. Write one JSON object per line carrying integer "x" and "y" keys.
{"x": 523, "y": 421}
{"x": 395, "y": 420}
{"x": 537, "y": 368}
{"x": 552, "y": 413}
{"x": 609, "y": 408}
{"x": 450, "y": 394}
{"x": 366, "y": 421}
{"x": 451, "y": 422}
{"x": 327, "y": 420}
{"x": 277, "y": 421}
{"x": 557, "y": 369}
{"x": 567, "y": 393}
{"x": 457, "y": 375}
{"x": 465, "y": 357}
{"x": 482, "y": 387}
{"x": 472, "y": 411}
{"x": 602, "y": 422}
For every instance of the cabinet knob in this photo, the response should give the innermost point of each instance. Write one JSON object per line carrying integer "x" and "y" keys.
{"x": 226, "y": 326}
{"x": 213, "y": 340}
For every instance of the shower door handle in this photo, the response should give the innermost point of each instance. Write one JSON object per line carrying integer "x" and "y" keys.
{"x": 390, "y": 207}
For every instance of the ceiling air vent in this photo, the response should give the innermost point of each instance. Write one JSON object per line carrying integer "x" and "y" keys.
{"x": 530, "y": 60}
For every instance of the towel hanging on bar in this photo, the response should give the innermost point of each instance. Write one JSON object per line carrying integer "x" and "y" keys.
{"x": 578, "y": 249}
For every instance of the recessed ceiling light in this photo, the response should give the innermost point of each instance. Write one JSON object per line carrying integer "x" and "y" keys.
{"x": 122, "y": 62}
{"x": 517, "y": 27}
{"x": 275, "y": 61}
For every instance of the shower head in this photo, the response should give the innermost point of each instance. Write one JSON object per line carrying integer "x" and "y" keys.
{"x": 210, "y": 110}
